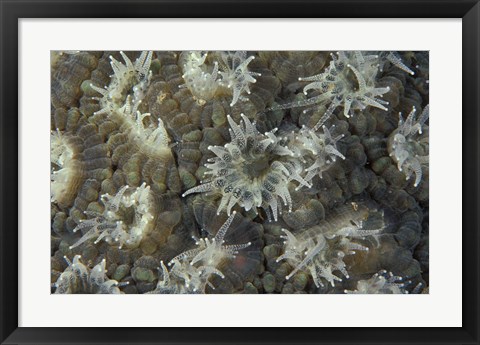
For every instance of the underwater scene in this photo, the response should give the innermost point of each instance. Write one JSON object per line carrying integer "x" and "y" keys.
{"x": 239, "y": 172}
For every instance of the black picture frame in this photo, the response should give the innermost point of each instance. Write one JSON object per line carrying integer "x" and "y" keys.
{"x": 11, "y": 11}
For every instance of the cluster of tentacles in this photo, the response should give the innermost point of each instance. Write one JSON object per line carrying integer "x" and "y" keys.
{"x": 239, "y": 172}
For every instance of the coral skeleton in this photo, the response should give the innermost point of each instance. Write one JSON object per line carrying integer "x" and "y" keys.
{"x": 191, "y": 270}
{"x": 253, "y": 170}
{"x": 320, "y": 250}
{"x": 128, "y": 79}
{"x": 78, "y": 278}
{"x": 235, "y": 74}
{"x": 126, "y": 218}
{"x": 408, "y": 147}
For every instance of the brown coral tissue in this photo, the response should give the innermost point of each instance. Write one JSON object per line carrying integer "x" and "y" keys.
{"x": 239, "y": 172}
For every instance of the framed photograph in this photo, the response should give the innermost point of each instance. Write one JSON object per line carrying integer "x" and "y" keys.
{"x": 216, "y": 166}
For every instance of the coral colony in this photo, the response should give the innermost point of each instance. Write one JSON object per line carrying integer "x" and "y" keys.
{"x": 202, "y": 172}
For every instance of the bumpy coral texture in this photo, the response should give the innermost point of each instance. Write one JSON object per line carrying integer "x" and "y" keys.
{"x": 239, "y": 172}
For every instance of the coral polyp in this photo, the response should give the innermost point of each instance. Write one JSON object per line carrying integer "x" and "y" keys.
{"x": 229, "y": 75}
{"x": 350, "y": 79}
{"x": 321, "y": 250}
{"x": 153, "y": 137}
{"x": 318, "y": 150}
{"x": 79, "y": 279}
{"x": 382, "y": 282}
{"x": 201, "y": 80}
{"x": 149, "y": 136}
{"x": 67, "y": 170}
{"x": 408, "y": 144}
{"x": 126, "y": 218}
{"x": 253, "y": 170}
{"x": 212, "y": 252}
{"x": 191, "y": 270}
{"x": 184, "y": 278}
{"x": 236, "y": 75}
{"x": 128, "y": 79}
